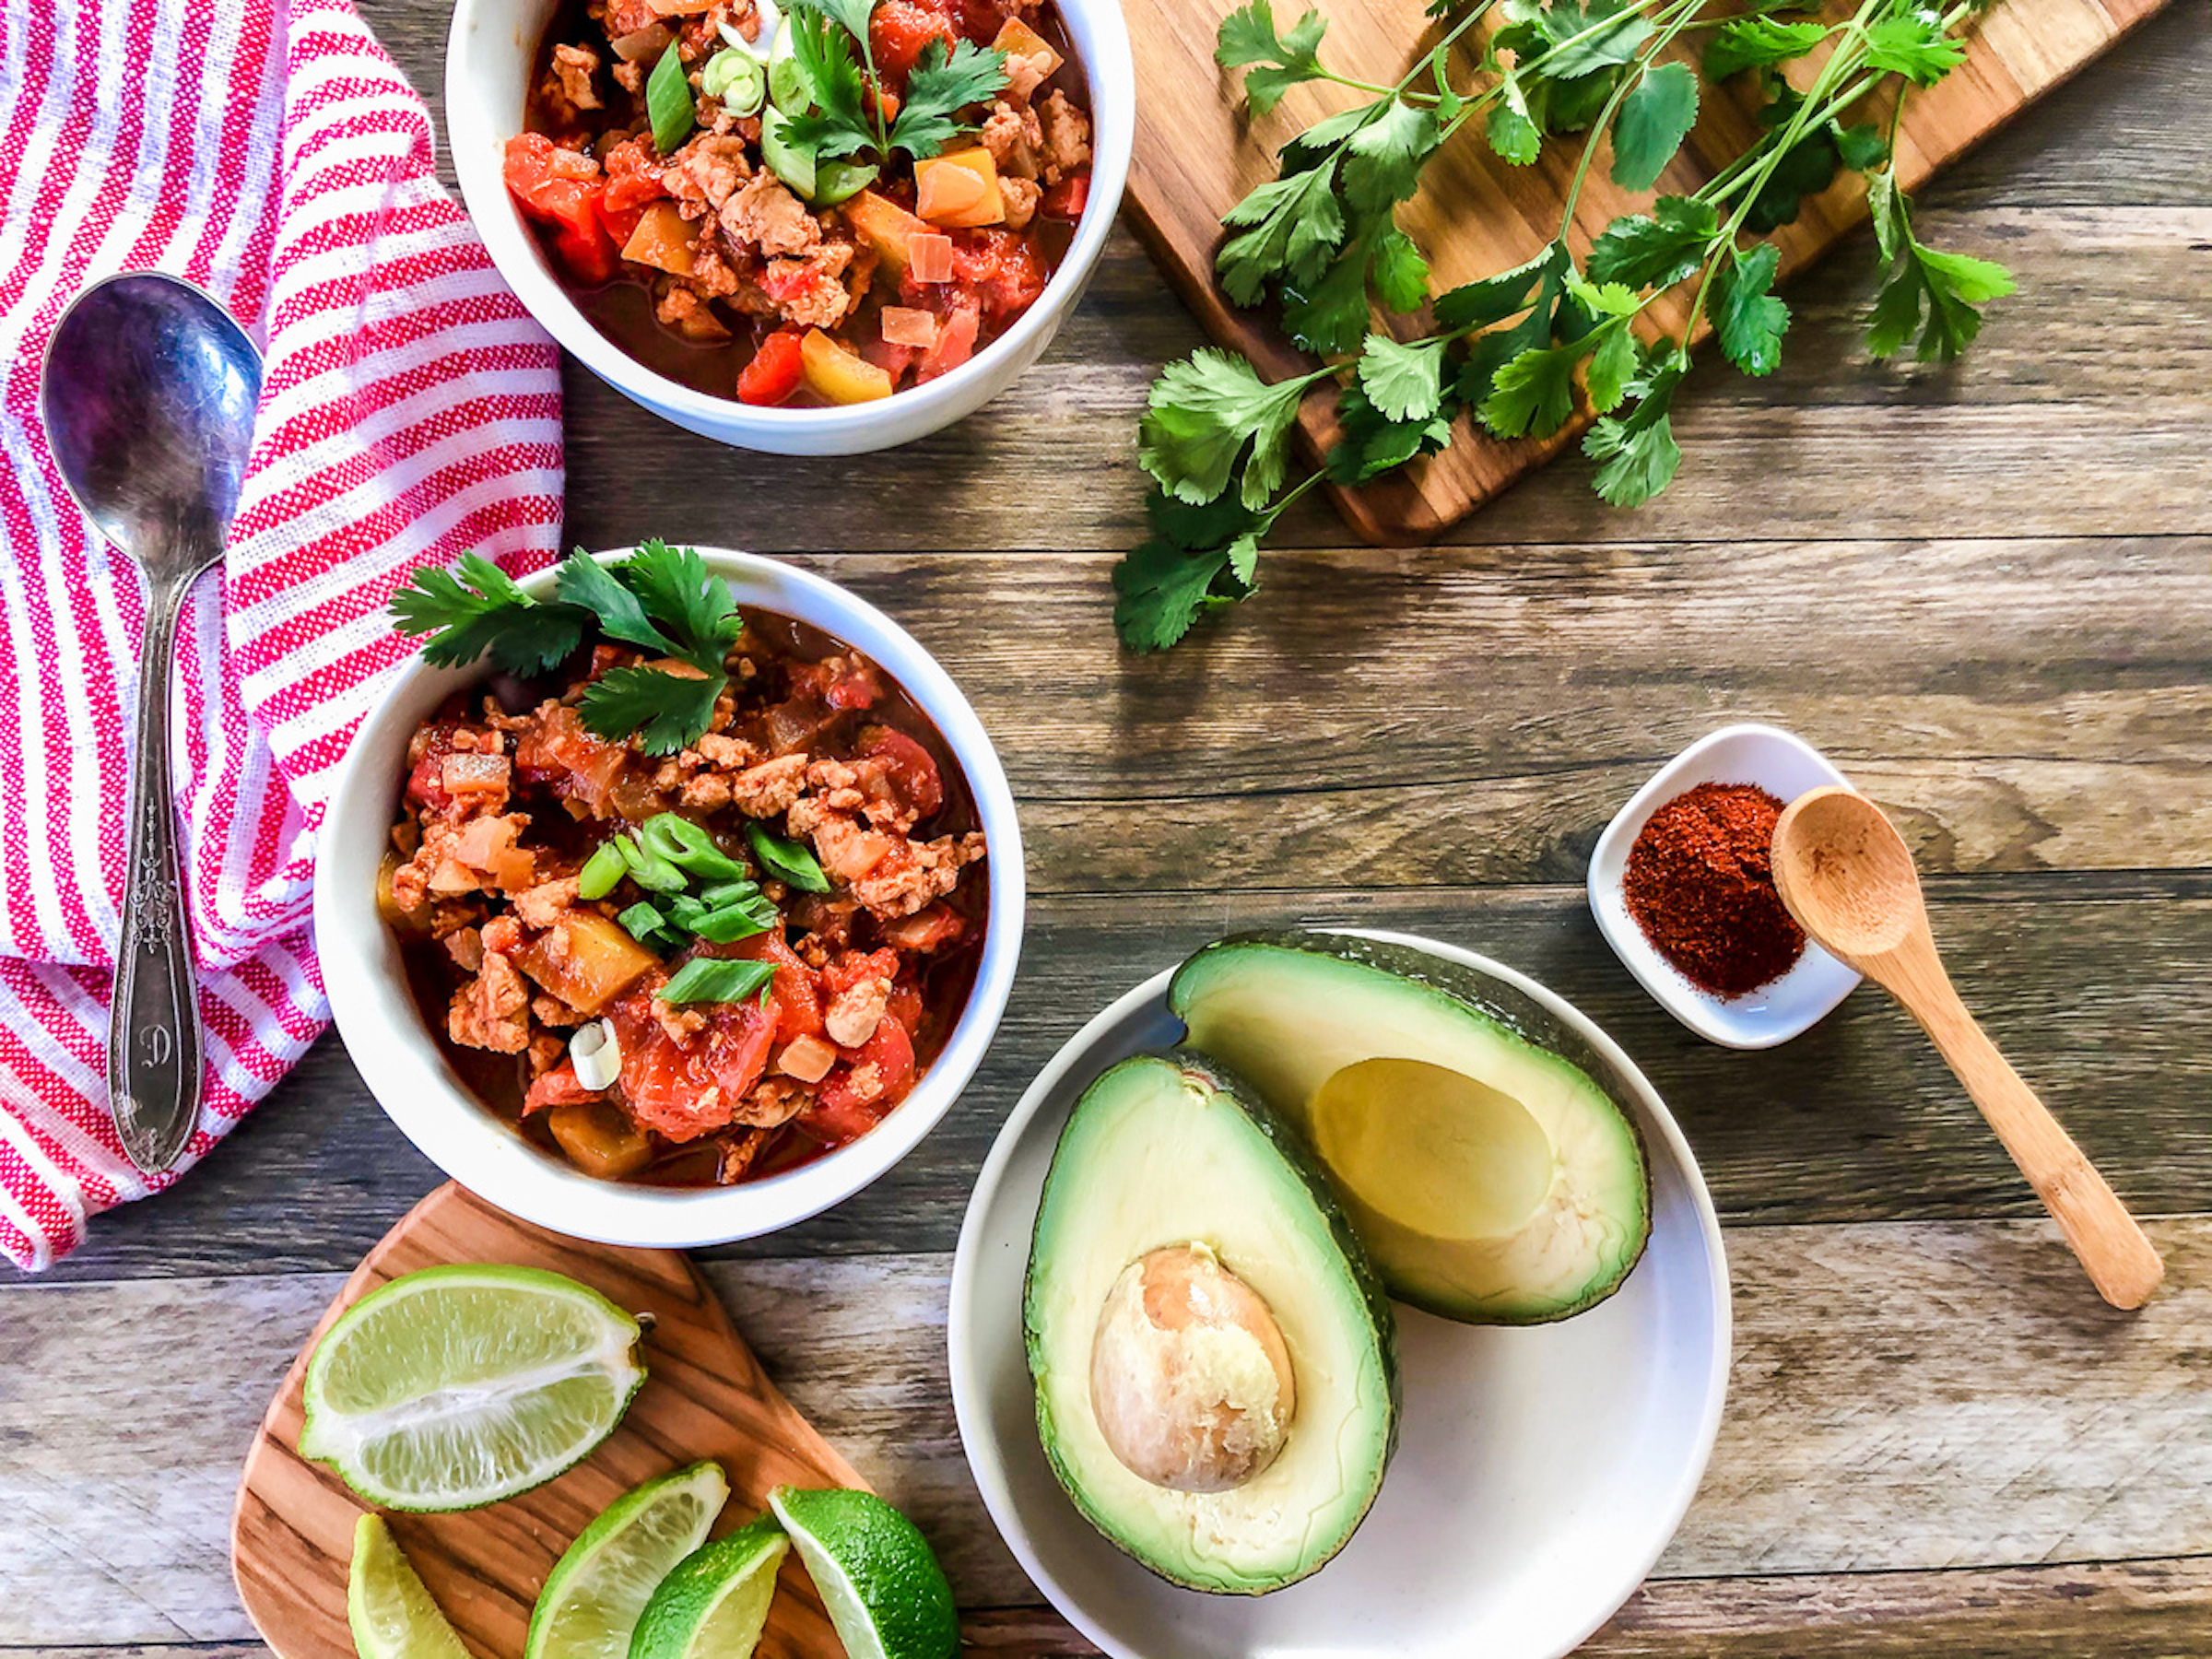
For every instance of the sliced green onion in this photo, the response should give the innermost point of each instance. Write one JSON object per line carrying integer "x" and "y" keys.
{"x": 648, "y": 869}
{"x": 728, "y": 892}
{"x": 718, "y": 979}
{"x": 786, "y": 859}
{"x": 736, "y": 80}
{"x": 668, "y": 102}
{"x": 600, "y": 872}
{"x": 733, "y": 923}
{"x": 688, "y": 847}
{"x": 644, "y": 924}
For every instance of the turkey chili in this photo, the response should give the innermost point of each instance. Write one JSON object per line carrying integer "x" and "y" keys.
{"x": 700, "y": 965}
{"x": 818, "y": 205}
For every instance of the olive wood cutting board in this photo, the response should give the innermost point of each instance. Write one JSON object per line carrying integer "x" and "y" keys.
{"x": 705, "y": 1395}
{"x": 1197, "y": 154}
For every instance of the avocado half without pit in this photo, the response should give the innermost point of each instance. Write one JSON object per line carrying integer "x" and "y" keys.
{"x": 1215, "y": 1362}
{"x": 1489, "y": 1161}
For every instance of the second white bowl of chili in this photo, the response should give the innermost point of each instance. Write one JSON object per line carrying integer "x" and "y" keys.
{"x": 414, "y": 1070}
{"x": 495, "y": 63}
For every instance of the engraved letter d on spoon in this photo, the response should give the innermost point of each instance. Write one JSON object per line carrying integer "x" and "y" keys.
{"x": 147, "y": 394}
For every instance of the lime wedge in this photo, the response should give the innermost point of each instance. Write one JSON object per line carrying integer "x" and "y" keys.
{"x": 878, "y": 1580}
{"x": 392, "y": 1615}
{"x": 714, "y": 1605}
{"x": 458, "y": 1386}
{"x": 596, "y": 1591}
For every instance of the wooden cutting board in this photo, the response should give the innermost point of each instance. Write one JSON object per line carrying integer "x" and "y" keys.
{"x": 1197, "y": 155}
{"x": 705, "y": 1395}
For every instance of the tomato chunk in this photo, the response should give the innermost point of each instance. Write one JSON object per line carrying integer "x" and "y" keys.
{"x": 561, "y": 190}
{"x": 1068, "y": 199}
{"x": 633, "y": 180}
{"x": 775, "y": 372}
{"x": 898, "y": 33}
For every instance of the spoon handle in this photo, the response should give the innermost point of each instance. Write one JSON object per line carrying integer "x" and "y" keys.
{"x": 2120, "y": 1261}
{"x": 154, "y": 1023}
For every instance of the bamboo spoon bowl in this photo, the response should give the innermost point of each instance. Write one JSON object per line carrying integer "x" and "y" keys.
{"x": 1847, "y": 876}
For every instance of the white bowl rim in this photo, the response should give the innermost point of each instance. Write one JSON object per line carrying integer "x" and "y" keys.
{"x": 970, "y": 1411}
{"x": 1113, "y": 89}
{"x": 418, "y": 1090}
{"x": 1708, "y": 1016}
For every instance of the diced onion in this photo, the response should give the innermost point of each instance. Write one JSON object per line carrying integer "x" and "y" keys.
{"x": 597, "y": 1054}
{"x": 640, "y": 44}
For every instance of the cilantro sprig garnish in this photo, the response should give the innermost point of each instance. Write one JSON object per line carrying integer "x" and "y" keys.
{"x": 830, "y": 46}
{"x": 1521, "y": 352}
{"x": 661, "y": 600}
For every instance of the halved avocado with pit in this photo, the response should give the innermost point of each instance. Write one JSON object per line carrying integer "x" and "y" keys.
{"x": 1490, "y": 1162}
{"x": 1171, "y": 1157}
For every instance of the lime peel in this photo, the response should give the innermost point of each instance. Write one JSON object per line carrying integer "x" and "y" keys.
{"x": 598, "y": 1589}
{"x": 714, "y": 1606}
{"x": 877, "y": 1577}
{"x": 387, "y": 1606}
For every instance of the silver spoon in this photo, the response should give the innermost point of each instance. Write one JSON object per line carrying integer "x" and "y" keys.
{"x": 147, "y": 393}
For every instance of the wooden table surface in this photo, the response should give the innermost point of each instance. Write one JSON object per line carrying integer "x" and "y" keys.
{"x": 1986, "y": 592}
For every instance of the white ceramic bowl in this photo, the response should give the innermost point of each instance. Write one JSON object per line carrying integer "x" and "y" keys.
{"x": 487, "y": 62}
{"x": 402, "y": 1064}
{"x": 1540, "y": 1471}
{"x": 1785, "y": 766}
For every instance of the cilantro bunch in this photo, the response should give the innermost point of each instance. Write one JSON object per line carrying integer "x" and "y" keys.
{"x": 845, "y": 113}
{"x": 661, "y": 600}
{"x": 1521, "y": 352}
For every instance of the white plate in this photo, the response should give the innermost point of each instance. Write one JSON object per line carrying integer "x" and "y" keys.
{"x": 1540, "y": 1471}
{"x": 1785, "y": 766}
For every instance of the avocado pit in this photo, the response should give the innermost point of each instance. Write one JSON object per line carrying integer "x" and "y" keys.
{"x": 1190, "y": 1378}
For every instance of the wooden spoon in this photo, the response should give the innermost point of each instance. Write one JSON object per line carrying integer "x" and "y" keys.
{"x": 1847, "y": 876}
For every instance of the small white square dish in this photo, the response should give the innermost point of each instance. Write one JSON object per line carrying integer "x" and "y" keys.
{"x": 1785, "y": 766}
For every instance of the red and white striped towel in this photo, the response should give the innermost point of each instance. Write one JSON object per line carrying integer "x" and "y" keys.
{"x": 268, "y": 150}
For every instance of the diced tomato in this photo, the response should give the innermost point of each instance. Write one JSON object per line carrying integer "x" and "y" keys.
{"x": 894, "y": 360}
{"x": 1003, "y": 271}
{"x": 554, "y": 189}
{"x": 1068, "y": 199}
{"x": 784, "y": 280}
{"x": 897, "y": 34}
{"x": 775, "y": 372}
{"x": 925, "y": 930}
{"x": 426, "y": 784}
{"x": 854, "y": 966}
{"x": 913, "y": 769}
{"x": 558, "y": 752}
{"x": 737, "y": 1044}
{"x": 857, "y": 685}
{"x": 846, "y": 1108}
{"x": 956, "y": 340}
{"x": 556, "y": 1087}
{"x": 633, "y": 179}
{"x": 688, "y": 1089}
{"x": 797, "y": 998}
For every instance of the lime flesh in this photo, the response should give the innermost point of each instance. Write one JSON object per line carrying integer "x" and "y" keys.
{"x": 459, "y": 1386}
{"x": 392, "y": 1615}
{"x": 878, "y": 1580}
{"x": 714, "y": 1605}
{"x": 596, "y": 1592}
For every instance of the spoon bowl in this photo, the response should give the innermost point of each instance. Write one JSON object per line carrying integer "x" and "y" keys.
{"x": 1847, "y": 876}
{"x": 147, "y": 393}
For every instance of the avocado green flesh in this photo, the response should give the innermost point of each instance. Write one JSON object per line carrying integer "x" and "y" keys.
{"x": 1493, "y": 1180}
{"x": 1160, "y": 1152}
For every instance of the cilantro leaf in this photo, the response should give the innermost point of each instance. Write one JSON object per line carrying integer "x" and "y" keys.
{"x": 1554, "y": 30}
{"x": 851, "y": 15}
{"x": 1400, "y": 271}
{"x": 1950, "y": 285}
{"x": 664, "y": 710}
{"x": 1532, "y": 395}
{"x": 1657, "y": 252}
{"x": 1612, "y": 366}
{"x": 692, "y": 608}
{"x": 1637, "y": 451}
{"x": 1511, "y": 130}
{"x": 840, "y": 127}
{"x": 938, "y": 88}
{"x": 1745, "y": 315}
{"x": 1757, "y": 43}
{"x": 1654, "y": 118}
{"x": 1404, "y": 381}
{"x": 1493, "y": 298}
{"x": 1296, "y": 225}
{"x": 1248, "y": 36}
{"x": 1914, "y": 44}
{"x": 480, "y": 612}
{"x": 1329, "y": 317}
{"x": 1197, "y": 557}
{"x": 1382, "y": 165}
{"x": 582, "y": 580}
{"x": 1203, "y": 411}
{"x": 1368, "y": 443}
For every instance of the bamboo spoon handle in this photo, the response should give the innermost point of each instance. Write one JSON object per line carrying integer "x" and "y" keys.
{"x": 2120, "y": 1261}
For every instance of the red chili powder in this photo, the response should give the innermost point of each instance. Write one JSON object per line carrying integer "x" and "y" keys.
{"x": 1701, "y": 884}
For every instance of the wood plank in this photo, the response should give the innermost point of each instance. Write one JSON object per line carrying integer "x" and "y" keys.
{"x": 2090, "y": 983}
{"x": 705, "y": 1395}
{"x": 1919, "y": 1399}
{"x": 1196, "y": 155}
